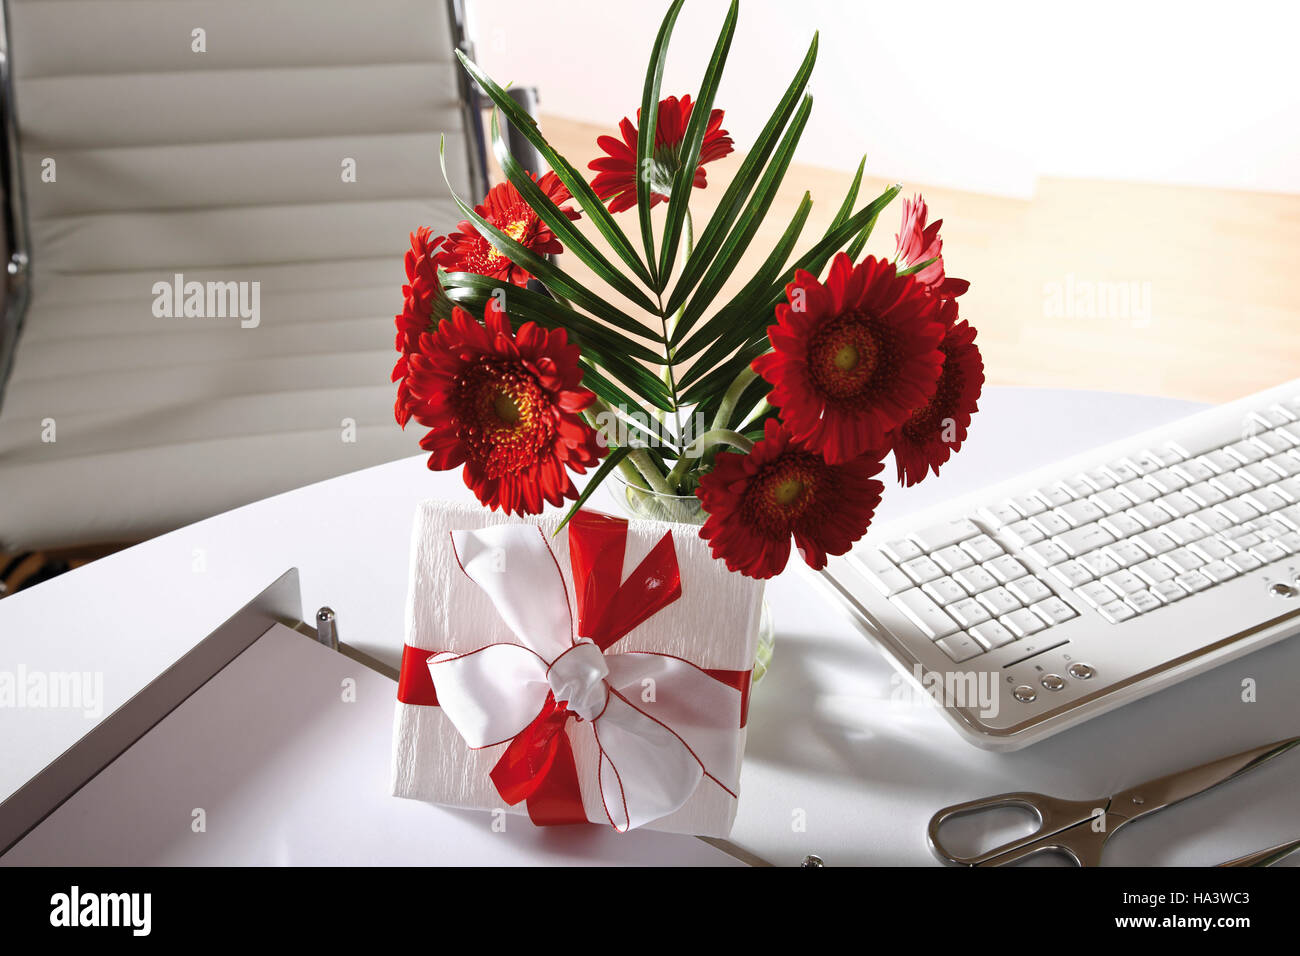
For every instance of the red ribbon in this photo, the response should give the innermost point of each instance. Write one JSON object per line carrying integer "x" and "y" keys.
{"x": 538, "y": 765}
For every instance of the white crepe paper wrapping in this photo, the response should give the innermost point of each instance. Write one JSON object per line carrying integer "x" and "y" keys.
{"x": 714, "y": 624}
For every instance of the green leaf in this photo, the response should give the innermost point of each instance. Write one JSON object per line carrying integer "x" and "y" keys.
{"x": 616, "y": 455}
{"x": 551, "y": 275}
{"x": 577, "y": 184}
{"x": 560, "y": 224}
{"x": 647, "y": 129}
{"x": 689, "y": 154}
{"x": 729, "y": 207}
{"x": 707, "y": 382}
{"x": 846, "y": 207}
{"x": 476, "y": 291}
{"x": 917, "y": 267}
{"x": 729, "y": 327}
{"x": 734, "y": 248}
{"x": 856, "y": 247}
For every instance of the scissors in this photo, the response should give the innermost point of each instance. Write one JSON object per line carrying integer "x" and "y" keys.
{"x": 1080, "y": 828}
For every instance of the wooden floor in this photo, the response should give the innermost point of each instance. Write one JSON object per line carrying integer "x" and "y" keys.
{"x": 1161, "y": 290}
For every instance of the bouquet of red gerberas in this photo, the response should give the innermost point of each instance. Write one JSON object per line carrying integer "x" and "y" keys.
{"x": 775, "y": 406}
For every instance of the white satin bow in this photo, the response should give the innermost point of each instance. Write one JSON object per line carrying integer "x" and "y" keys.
{"x": 661, "y": 722}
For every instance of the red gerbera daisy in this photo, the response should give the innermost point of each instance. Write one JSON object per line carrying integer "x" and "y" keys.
{"x": 852, "y": 358}
{"x": 468, "y": 251}
{"x": 936, "y": 430}
{"x": 756, "y": 502}
{"x": 920, "y": 243}
{"x": 505, "y": 405}
{"x": 416, "y": 317}
{"x": 616, "y": 171}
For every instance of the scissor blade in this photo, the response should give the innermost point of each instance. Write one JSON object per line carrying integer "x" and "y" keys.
{"x": 1274, "y": 854}
{"x": 1165, "y": 791}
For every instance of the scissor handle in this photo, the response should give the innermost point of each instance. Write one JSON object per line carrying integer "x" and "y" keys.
{"x": 1062, "y": 826}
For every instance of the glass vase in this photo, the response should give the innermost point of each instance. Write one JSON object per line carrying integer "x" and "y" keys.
{"x": 650, "y": 505}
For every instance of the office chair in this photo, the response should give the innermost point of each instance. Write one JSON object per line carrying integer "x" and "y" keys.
{"x": 290, "y": 144}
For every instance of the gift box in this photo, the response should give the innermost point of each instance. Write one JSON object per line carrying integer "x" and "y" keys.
{"x": 595, "y": 675}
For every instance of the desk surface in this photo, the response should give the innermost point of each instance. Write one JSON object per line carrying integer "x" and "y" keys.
{"x": 835, "y": 765}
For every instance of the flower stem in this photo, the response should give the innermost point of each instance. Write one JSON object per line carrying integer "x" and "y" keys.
{"x": 732, "y": 396}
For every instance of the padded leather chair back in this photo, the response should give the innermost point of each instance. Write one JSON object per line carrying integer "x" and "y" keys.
{"x": 288, "y": 143}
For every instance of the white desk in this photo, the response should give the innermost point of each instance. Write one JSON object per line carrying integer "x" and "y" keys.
{"x": 827, "y": 747}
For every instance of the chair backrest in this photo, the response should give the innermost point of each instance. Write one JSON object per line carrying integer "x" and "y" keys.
{"x": 202, "y": 134}
{"x": 279, "y": 149}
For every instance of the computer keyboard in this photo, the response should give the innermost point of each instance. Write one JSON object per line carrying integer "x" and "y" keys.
{"x": 1099, "y": 579}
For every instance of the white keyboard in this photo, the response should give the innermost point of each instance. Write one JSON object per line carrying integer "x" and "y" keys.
{"x": 1097, "y": 580}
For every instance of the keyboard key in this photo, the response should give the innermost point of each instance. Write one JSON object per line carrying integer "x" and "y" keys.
{"x": 1153, "y": 571}
{"x": 1139, "y": 491}
{"x": 942, "y": 535}
{"x": 1167, "y": 480}
{"x": 1178, "y": 504}
{"x": 1267, "y": 499}
{"x": 1121, "y": 471}
{"x": 1259, "y": 474}
{"x": 1183, "y": 531}
{"x": 1099, "y": 563}
{"x": 1193, "y": 581}
{"x": 1183, "y": 559}
{"x": 1122, "y": 525}
{"x": 1082, "y": 540}
{"x": 982, "y": 548}
{"x": 1054, "y": 496}
{"x": 975, "y": 580}
{"x": 1220, "y": 460}
{"x": 1097, "y": 594}
{"x": 969, "y": 612}
{"x": 1232, "y": 484}
{"x": 922, "y": 570}
{"x": 1286, "y": 465}
{"x": 1081, "y": 512}
{"x": 1196, "y": 470}
{"x": 945, "y": 591}
{"x": 924, "y": 613}
{"x": 1030, "y": 590}
{"x": 992, "y": 634}
{"x": 1237, "y": 510}
{"x": 1100, "y": 478}
{"x": 1005, "y": 568}
{"x": 1205, "y": 494}
{"x": 1054, "y": 611}
{"x": 1244, "y": 561}
{"x": 1111, "y": 501}
{"x": 1071, "y": 573}
{"x": 1290, "y": 541}
{"x": 1156, "y": 542}
{"x": 1213, "y": 549}
{"x": 1117, "y": 611}
{"x": 1209, "y": 519}
{"x": 900, "y": 551}
{"x": 1028, "y": 505}
{"x": 1143, "y": 601}
{"x": 1050, "y": 523}
{"x": 1150, "y": 514}
{"x": 999, "y": 601}
{"x": 1145, "y": 462}
{"x": 1247, "y": 451}
{"x": 1274, "y": 442}
{"x": 1126, "y": 553}
{"x": 1023, "y": 622}
{"x": 1269, "y": 551}
{"x": 1022, "y": 533}
{"x": 997, "y": 516}
{"x": 1048, "y": 552}
{"x": 959, "y": 647}
{"x": 952, "y": 558}
{"x": 1218, "y": 571}
{"x": 1168, "y": 591}
{"x": 888, "y": 580}
{"x": 1124, "y": 582}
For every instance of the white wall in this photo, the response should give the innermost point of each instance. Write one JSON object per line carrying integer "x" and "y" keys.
{"x": 985, "y": 96}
